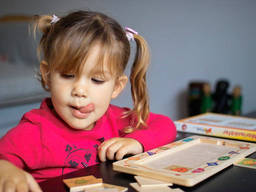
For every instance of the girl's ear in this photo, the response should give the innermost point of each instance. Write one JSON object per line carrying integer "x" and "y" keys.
{"x": 119, "y": 86}
{"x": 44, "y": 70}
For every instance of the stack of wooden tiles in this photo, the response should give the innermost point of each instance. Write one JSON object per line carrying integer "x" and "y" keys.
{"x": 152, "y": 185}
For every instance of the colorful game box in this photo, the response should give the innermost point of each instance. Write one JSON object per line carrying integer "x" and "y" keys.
{"x": 219, "y": 125}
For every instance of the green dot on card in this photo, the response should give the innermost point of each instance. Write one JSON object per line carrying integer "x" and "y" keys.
{"x": 81, "y": 181}
{"x": 223, "y": 158}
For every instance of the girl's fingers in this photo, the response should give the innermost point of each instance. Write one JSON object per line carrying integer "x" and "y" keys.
{"x": 131, "y": 149}
{"x": 22, "y": 187}
{"x": 103, "y": 148}
{"x": 1, "y": 184}
{"x": 13, "y": 179}
{"x": 121, "y": 152}
{"x": 112, "y": 149}
{"x": 9, "y": 186}
{"x": 117, "y": 148}
{"x": 32, "y": 184}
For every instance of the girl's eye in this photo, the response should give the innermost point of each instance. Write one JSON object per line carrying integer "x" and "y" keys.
{"x": 98, "y": 81}
{"x": 67, "y": 76}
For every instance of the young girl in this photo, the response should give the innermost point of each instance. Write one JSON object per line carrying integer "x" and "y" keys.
{"x": 84, "y": 58}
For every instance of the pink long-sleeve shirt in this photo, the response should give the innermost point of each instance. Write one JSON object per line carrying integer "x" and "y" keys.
{"x": 45, "y": 146}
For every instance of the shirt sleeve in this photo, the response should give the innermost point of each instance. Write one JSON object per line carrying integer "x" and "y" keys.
{"x": 160, "y": 130}
{"x": 20, "y": 145}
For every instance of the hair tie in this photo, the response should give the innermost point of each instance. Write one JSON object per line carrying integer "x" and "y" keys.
{"x": 54, "y": 19}
{"x": 130, "y": 33}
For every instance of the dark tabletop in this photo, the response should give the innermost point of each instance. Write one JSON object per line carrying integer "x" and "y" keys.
{"x": 231, "y": 179}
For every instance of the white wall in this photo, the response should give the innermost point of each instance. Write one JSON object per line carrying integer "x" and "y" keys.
{"x": 189, "y": 40}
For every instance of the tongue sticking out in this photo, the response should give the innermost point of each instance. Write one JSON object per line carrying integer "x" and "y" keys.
{"x": 86, "y": 109}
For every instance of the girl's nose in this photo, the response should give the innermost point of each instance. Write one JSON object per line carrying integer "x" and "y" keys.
{"x": 79, "y": 90}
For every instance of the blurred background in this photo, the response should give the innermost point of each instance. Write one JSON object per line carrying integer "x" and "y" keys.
{"x": 190, "y": 41}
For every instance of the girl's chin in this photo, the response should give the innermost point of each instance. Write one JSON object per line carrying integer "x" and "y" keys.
{"x": 80, "y": 127}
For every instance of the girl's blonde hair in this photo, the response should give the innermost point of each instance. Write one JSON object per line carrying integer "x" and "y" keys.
{"x": 65, "y": 45}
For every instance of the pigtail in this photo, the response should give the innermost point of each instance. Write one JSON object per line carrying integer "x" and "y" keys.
{"x": 43, "y": 24}
{"x": 138, "y": 82}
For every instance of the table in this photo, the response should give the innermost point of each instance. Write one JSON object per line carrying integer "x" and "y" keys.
{"x": 231, "y": 179}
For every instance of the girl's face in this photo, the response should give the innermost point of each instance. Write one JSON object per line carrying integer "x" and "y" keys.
{"x": 80, "y": 100}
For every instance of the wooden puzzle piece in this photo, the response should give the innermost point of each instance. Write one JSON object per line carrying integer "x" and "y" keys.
{"x": 177, "y": 190}
{"x": 104, "y": 187}
{"x": 138, "y": 188}
{"x": 148, "y": 182}
{"x": 246, "y": 162}
{"x": 80, "y": 183}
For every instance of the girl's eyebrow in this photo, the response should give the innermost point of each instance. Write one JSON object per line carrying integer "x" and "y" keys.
{"x": 99, "y": 72}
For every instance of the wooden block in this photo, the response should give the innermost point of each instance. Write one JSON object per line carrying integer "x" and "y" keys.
{"x": 151, "y": 189}
{"x": 177, "y": 190}
{"x": 80, "y": 183}
{"x": 246, "y": 162}
{"x": 147, "y": 182}
{"x": 104, "y": 187}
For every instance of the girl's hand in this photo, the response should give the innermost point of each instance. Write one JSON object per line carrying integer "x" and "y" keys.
{"x": 117, "y": 148}
{"x": 13, "y": 179}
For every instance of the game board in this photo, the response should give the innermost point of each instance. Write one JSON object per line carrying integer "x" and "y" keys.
{"x": 188, "y": 161}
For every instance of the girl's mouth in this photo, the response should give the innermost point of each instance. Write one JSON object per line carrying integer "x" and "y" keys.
{"x": 82, "y": 112}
